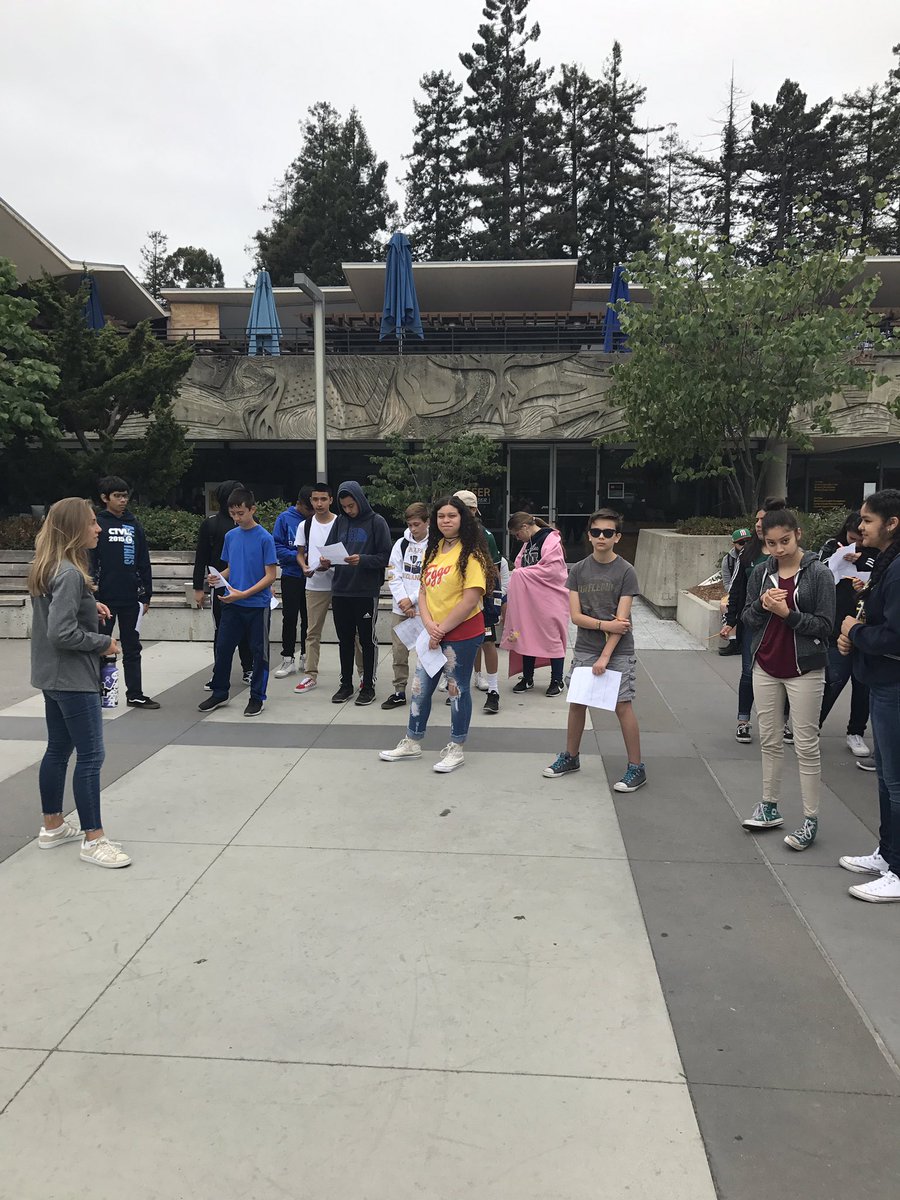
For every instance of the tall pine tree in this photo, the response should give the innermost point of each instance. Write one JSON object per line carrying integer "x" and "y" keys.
{"x": 437, "y": 197}
{"x": 618, "y": 207}
{"x": 791, "y": 161}
{"x": 331, "y": 204}
{"x": 870, "y": 136}
{"x": 577, "y": 101}
{"x": 721, "y": 179}
{"x": 512, "y": 135}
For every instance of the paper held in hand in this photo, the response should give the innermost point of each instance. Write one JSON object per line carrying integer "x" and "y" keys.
{"x": 597, "y": 691}
{"x": 408, "y": 631}
{"x": 842, "y": 568}
{"x": 336, "y": 553}
{"x": 219, "y": 579}
{"x": 432, "y": 660}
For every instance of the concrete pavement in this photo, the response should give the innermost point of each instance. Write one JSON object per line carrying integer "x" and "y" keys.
{"x": 328, "y": 976}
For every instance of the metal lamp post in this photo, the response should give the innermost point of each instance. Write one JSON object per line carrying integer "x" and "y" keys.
{"x": 308, "y": 288}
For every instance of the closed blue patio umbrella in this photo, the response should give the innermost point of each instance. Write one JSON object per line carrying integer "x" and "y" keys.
{"x": 401, "y": 306}
{"x": 263, "y": 328}
{"x": 93, "y": 309}
{"x": 612, "y": 326}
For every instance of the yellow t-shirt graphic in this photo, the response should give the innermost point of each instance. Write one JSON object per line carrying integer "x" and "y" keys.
{"x": 444, "y": 587}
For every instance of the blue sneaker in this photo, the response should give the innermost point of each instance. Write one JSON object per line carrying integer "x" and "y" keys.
{"x": 635, "y": 777}
{"x": 565, "y": 764}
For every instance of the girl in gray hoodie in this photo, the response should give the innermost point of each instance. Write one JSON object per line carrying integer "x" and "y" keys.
{"x": 66, "y": 647}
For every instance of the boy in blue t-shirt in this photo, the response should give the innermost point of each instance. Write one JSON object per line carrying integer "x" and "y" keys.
{"x": 251, "y": 565}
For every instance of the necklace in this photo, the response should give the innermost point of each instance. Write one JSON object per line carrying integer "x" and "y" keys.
{"x": 449, "y": 543}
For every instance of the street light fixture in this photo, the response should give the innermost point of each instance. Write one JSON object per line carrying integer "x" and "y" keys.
{"x": 308, "y": 288}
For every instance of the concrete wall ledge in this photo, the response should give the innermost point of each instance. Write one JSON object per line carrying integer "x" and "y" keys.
{"x": 668, "y": 562}
{"x": 701, "y": 618}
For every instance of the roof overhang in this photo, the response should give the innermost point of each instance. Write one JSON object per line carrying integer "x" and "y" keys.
{"x": 887, "y": 267}
{"x": 464, "y": 287}
{"x": 32, "y": 255}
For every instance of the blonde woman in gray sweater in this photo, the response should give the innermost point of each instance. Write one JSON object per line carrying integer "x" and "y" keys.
{"x": 66, "y": 647}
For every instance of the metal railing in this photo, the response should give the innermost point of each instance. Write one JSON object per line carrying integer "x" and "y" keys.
{"x": 464, "y": 338}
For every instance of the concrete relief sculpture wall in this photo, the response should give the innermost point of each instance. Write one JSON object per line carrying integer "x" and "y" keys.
{"x": 371, "y": 397}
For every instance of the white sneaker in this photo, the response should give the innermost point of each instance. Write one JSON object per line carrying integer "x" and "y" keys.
{"x": 451, "y": 758}
{"x": 104, "y": 853}
{"x": 288, "y": 667}
{"x": 857, "y": 746}
{"x": 481, "y": 681}
{"x": 405, "y": 748}
{"x": 49, "y": 838}
{"x": 878, "y": 891}
{"x": 865, "y": 864}
{"x": 442, "y": 683}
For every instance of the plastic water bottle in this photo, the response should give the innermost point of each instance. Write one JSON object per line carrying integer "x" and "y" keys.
{"x": 109, "y": 682}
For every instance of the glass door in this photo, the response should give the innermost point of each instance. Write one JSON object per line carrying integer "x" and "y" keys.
{"x": 528, "y": 483}
{"x": 576, "y": 495}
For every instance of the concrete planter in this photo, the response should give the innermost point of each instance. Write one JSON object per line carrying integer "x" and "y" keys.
{"x": 701, "y": 618}
{"x": 668, "y": 562}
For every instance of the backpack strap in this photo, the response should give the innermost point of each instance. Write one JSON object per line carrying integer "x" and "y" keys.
{"x": 404, "y": 546}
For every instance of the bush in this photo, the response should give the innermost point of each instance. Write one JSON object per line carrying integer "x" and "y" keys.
{"x": 168, "y": 528}
{"x": 18, "y": 533}
{"x": 268, "y": 510}
{"x": 817, "y": 527}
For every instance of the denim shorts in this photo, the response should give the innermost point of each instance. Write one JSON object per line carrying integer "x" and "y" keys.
{"x": 626, "y": 663}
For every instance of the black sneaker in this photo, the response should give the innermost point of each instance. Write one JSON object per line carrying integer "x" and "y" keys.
{"x": 395, "y": 700}
{"x": 492, "y": 703}
{"x": 524, "y": 685}
{"x": 344, "y": 692}
{"x": 254, "y": 708}
{"x": 208, "y": 685}
{"x": 247, "y": 676}
{"x": 555, "y": 688}
{"x": 866, "y": 764}
{"x": 141, "y": 702}
{"x": 212, "y": 703}
{"x": 788, "y": 734}
{"x": 366, "y": 695}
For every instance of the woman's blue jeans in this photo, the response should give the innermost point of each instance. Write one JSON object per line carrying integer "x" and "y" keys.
{"x": 884, "y": 704}
{"x": 460, "y": 660}
{"x": 73, "y": 723}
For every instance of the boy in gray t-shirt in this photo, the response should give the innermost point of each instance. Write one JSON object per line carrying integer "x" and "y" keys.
{"x": 601, "y": 589}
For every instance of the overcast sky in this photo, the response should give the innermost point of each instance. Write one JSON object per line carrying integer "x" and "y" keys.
{"x": 119, "y": 117}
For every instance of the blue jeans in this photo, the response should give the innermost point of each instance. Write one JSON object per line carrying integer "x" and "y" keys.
{"x": 73, "y": 723}
{"x": 240, "y": 622}
{"x": 837, "y": 674}
{"x": 884, "y": 702}
{"x": 460, "y": 660}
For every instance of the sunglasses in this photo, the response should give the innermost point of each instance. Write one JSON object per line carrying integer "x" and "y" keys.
{"x": 597, "y": 533}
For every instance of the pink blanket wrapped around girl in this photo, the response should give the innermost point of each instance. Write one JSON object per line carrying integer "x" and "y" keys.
{"x": 537, "y": 607}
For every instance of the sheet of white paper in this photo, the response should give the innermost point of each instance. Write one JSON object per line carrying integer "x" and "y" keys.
{"x": 273, "y": 602}
{"x": 140, "y": 618}
{"x": 432, "y": 660}
{"x": 842, "y": 569}
{"x": 597, "y": 691}
{"x": 408, "y": 631}
{"x": 220, "y": 580}
{"x": 336, "y": 553}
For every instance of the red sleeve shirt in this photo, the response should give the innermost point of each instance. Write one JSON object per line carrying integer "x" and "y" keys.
{"x": 777, "y": 653}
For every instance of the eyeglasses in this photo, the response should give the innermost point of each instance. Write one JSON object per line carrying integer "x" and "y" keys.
{"x": 597, "y": 533}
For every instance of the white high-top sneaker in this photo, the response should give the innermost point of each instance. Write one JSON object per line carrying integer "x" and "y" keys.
{"x": 288, "y": 667}
{"x": 451, "y": 758}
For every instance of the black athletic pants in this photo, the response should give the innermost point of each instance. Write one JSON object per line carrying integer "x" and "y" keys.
{"x": 293, "y": 604}
{"x": 355, "y": 616}
{"x": 126, "y": 615}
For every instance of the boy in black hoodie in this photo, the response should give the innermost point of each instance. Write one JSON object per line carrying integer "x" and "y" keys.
{"x": 210, "y": 539}
{"x": 355, "y": 588}
{"x": 120, "y": 566}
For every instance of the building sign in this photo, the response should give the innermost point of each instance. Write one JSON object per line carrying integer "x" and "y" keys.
{"x": 615, "y": 491}
{"x": 827, "y": 495}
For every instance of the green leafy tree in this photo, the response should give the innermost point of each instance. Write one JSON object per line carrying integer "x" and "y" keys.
{"x": 513, "y": 134}
{"x": 404, "y": 475}
{"x": 791, "y": 162}
{"x": 153, "y": 263}
{"x": 330, "y": 206}
{"x": 437, "y": 197}
{"x": 727, "y": 359}
{"x": 157, "y": 461}
{"x": 193, "y": 267}
{"x": 105, "y": 377}
{"x": 27, "y": 376}
{"x": 620, "y": 206}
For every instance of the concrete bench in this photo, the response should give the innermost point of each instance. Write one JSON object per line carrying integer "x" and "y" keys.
{"x": 172, "y": 616}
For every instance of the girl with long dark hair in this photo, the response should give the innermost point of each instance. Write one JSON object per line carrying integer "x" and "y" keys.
{"x": 872, "y": 637}
{"x": 456, "y": 572}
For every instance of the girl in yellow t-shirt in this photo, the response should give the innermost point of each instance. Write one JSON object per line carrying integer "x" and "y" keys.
{"x": 456, "y": 572}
